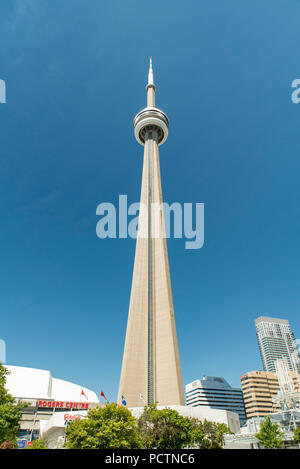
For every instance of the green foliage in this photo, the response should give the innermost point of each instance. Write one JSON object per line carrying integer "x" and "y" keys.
{"x": 38, "y": 444}
{"x": 10, "y": 411}
{"x": 113, "y": 426}
{"x": 269, "y": 434}
{"x": 107, "y": 427}
{"x": 164, "y": 429}
{"x": 167, "y": 429}
{"x": 8, "y": 445}
{"x": 297, "y": 435}
{"x": 208, "y": 435}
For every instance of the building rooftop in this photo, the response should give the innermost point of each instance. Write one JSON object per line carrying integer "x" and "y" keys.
{"x": 268, "y": 319}
{"x": 209, "y": 382}
{"x": 23, "y": 382}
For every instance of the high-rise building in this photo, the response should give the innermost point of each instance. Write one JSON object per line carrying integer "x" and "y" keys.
{"x": 259, "y": 390}
{"x": 276, "y": 341}
{"x": 216, "y": 393}
{"x": 150, "y": 368}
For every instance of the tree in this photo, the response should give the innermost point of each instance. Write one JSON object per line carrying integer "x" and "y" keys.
{"x": 107, "y": 427}
{"x": 297, "y": 435}
{"x": 167, "y": 429}
{"x": 38, "y": 444}
{"x": 270, "y": 434}
{"x": 10, "y": 411}
{"x": 164, "y": 429}
{"x": 208, "y": 435}
{"x": 7, "y": 445}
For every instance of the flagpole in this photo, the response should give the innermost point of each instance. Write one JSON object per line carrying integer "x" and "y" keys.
{"x": 142, "y": 398}
{"x": 103, "y": 395}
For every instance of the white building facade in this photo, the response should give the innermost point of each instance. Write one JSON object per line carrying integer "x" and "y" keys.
{"x": 231, "y": 419}
{"x": 46, "y": 398}
{"x": 216, "y": 393}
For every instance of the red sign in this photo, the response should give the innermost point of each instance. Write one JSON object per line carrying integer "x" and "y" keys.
{"x": 63, "y": 405}
{"x": 72, "y": 417}
{"x": 29, "y": 443}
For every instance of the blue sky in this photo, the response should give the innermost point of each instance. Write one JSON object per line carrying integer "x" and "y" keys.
{"x": 75, "y": 73}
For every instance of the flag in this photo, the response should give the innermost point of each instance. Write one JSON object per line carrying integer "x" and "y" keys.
{"x": 123, "y": 400}
{"x": 103, "y": 395}
{"x": 83, "y": 394}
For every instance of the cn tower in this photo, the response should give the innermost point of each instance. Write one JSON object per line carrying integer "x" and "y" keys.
{"x": 151, "y": 369}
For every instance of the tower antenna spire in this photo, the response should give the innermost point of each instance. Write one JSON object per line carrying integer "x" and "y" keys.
{"x": 150, "y": 87}
{"x": 150, "y": 74}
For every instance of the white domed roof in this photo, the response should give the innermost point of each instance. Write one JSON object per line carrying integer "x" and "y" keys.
{"x": 33, "y": 383}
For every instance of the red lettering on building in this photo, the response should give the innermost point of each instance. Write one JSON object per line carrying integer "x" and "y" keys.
{"x": 63, "y": 405}
{"x": 72, "y": 417}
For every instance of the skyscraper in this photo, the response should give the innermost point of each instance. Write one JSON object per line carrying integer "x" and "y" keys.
{"x": 276, "y": 340}
{"x": 150, "y": 368}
